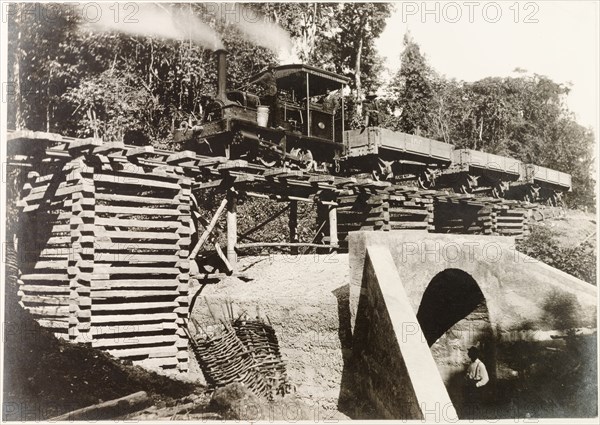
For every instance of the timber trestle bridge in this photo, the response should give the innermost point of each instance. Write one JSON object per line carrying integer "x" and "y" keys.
{"x": 108, "y": 234}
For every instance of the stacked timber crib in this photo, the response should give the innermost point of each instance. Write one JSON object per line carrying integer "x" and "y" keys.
{"x": 103, "y": 240}
{"x": 462, "y": 214}
{"x": 383, "y": 207}
{"x": 409, "y": 208}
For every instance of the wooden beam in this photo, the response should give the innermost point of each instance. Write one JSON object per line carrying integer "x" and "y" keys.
{"x": 333, "y": 226}
{"x": 138, "y": 151}
{"x": 209, "y": 229}
{"x": 231, "y": 228}
{"x": 284, "y": 198}
{"x": 214, "y": 276}
{"x": 109, "y": 409}
{"x": 109, "y": 147}
{"x": 228, "y": 265}
{"x": 233, "y": 165}
{"x": 263, "y": 224}
{"x": 181, "y": 156}
{"x": 85, "y": 143}
{"x": 293, "y": 224}
{"x": 278, "y": 244}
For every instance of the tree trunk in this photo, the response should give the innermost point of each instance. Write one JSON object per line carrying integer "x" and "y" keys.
{"x": 312, "y": 32}
{"x": 19, "y": 119}
{"x": 48, "y": 104}
{"x": 357, "y": 80}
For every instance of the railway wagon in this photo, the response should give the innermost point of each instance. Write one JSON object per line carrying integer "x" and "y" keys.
{"x": 545, "y": 176}
{"x": 543, "y": 184}
{"x": 473, "y": 170}
{"x": 385, "y": 152}
{"x": 388, "y": 144}
{"x": 471, "y": 160}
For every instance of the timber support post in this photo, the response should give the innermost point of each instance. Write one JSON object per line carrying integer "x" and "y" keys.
{"x": 322, "y": 225}
{"x": 81, "y": 261}
{"x": 231, "y": 227}
{"x": 294, "y": 225}
{"x": 333, "y": 235}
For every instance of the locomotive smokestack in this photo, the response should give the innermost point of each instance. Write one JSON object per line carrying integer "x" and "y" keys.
{"x": 221, "y": 55}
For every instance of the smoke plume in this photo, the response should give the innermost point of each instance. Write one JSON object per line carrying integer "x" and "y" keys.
{"x": 257, "y": 28}
{"x": 150, "y": 20}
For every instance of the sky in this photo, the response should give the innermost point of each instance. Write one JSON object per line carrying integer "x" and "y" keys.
{"x": 470, "y": 40}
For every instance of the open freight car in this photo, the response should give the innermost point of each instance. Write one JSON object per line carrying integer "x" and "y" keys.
{"x": 475, "y": 171}
{"x": 541, "y": 184}
{"x": 406, "y": 156}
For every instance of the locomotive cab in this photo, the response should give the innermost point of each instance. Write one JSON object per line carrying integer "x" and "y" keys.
{"x": 305, "y": 99}
{"x": 294, "y": 117}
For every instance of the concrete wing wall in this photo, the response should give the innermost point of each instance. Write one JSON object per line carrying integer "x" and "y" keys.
{"x": 395, "y": 370}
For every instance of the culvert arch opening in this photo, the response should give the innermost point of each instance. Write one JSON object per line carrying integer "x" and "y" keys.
{"x": 451, "y": 296}
{"x": 454, "y": 316}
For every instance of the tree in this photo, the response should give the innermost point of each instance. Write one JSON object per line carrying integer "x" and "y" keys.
{"x": 44, "y": 61}
{"x": 414, "y": 91}
{"x": 306, "y": 23}
{"x": 351, "y": 47}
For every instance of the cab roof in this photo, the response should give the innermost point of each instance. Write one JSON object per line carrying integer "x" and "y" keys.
{"x": 294, "y": 77}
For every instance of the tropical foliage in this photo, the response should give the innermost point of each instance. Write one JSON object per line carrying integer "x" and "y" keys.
{"x": 70, "y": 80}
{"x": 579, "y": 261}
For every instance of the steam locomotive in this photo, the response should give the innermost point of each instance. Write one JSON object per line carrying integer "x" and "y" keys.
{"x": 295, "y": 118}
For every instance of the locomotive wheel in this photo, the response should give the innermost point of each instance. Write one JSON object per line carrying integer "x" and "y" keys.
{"x": 308, "y": 166}
{"x": 303, "y": 159}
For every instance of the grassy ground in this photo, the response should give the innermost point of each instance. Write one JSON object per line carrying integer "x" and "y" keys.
{"x": 572, "y": 229}
{"x": 567, "y": 243}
